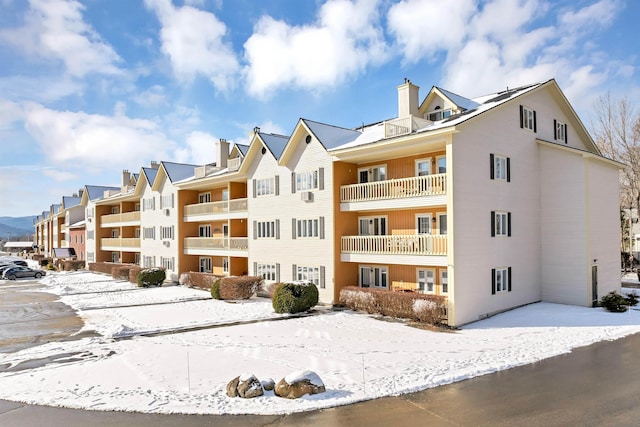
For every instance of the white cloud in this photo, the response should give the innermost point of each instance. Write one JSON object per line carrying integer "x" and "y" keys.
{"x": 153, "y": 97}
{"x": 199, "y": 148}
{"x": 599, "y": 14}
{"x": 59, "y": 175}
{"x": 77, "y": 140}
{"x": 423, "y": 28}
{"x": 193, "y": 40}
{"x": 55, "y": 30}
{"x": 345, "y": 39}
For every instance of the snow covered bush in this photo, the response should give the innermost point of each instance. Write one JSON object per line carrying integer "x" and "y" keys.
{"x": 632, "y": 298}
{"x": 70, "y": 265}
{"x": 151, "y": 277}
{"x": 134, "y": 270}
{"x": 294, "y": 297}
{"x": 239, "y": 287}
{"x": 404, "y": 305}
{"x": 198, "y": 280}
{"x": 614, "y": 302}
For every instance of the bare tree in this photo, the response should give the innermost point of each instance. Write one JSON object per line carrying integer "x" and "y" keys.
{"x": 616, "y": 130}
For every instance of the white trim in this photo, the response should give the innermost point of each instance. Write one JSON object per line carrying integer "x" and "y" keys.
{"x": 417, "y": 222}
{"x": 433, "y": 276}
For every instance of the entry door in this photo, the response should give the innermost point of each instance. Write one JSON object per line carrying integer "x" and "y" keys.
{"x": 594, "y": 285}
{"x": 376, "y": 226}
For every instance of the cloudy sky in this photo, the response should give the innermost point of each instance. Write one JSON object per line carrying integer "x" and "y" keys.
{"x": 89, "y": 88}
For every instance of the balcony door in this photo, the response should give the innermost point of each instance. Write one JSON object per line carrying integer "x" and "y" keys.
{"x": 373, "y": 277}
{"x": 372, "y": 226}
{"x": 372, "y": 174}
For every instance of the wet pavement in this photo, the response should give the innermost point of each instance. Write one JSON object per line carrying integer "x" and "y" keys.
{"x": 598, "y": 385}
{"x": 30, "y": 317}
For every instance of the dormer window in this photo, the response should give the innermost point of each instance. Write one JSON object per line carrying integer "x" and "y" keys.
{"x": 438, "y": 114}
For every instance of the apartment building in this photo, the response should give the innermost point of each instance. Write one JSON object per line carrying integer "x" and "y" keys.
{"x": 214, "y": 215}
{"x": 492, "y": 202}
{"x": 73, "y": 225}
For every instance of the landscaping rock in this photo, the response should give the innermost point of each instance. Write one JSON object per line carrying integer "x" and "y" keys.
{"x": 268, "y": 384}
{"x": 245, "y": 386}
{"x": 299, "y": 383}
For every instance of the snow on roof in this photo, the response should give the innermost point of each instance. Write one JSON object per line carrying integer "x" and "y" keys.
{"x": 96, "y": 192}
{"x": 17, "y": 245}
{"x": 78, "y": 224}
{"x": 459, "y": 100}
{"x": 275, "y": 143}
{"x": 179, "y": 171}
{"x": 331, "y": 136}
{"x": 375, "y": 133}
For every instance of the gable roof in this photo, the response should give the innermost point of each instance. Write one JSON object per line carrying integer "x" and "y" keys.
{"x": 178, "y": 171}
{"x": 460, "y": 101}
{"x": 149, "y": 174}
{"x": 70, "y": 201}
{"x": 274, "y": 142}
{"x": 243, "y": 149}
{"x": 330, "y": 136}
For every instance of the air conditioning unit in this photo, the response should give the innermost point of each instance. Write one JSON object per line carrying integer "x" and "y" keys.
{"x": 166, "y": 243}
{"x": 307, "y": 196}
{"x": 167, "y": 212}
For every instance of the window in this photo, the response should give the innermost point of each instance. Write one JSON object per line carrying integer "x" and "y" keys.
{"x": 423, "y": 167}
{"x": 136, "y": 258}
{"x": 225, "y": 195}
{"x": 560, "y": 131}
{"x": 437, "y": 114}
{"x": 114, "y": 233}
{"x": 136, "y": 233}
{"x": 373, "y": 276}
{"x": 205, "y": 265}
{"x": 500, "y": 280}
{"x": 166, "y": 232}
{"x": 114, "y": 209}
{"x": 166, "y": 201}
{"x": 90, "y": 212}
{"x": 441, "y": 164}
{"x": 427, "y": 281}
{"x": 265, "y": 186}
{"x": 90, "y": 234}
{"x": 167, "y": 263}
{"x": 306, "y": 228}
{"x": 308, "y": 274}
{"x": 204, "y": 198}
{"x": 372, "y": 174}
{"x": 149, "y": 233}
{"x": 442, "y": 224}
{"x": 149, "y": 204}
{"x": 204, "y": 231}
{"x": 500, "y": 167}
{"x": 149, "y": 261}
{"x": 115, "y": 257}
{"x": 306, "y": 180}
{"x": 423, "y": 224}
{"x": 500, "y": 223}
{"x": 225, "y": 265}
{"x": 527, "y": 118}
{"x": 444, "y": 281}
{"x": 266, "y": 229}
{"x": 90, "y": 256}
{"x": 267, "y": 271}
{"x": 375, "y": 226}
{"x": 136, "y": 207}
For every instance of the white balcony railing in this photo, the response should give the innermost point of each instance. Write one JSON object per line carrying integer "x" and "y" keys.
{"x": 235, "y": 205}
{"x": 229, "y": 243}
{"x": 404, "y": 126}
{"x": 417, "y": 244}
{"x": 120, "y": 242}
{"x": 426, "y": 185}
{"x": 234, "y": 164}
{"x": 120, "y": 217}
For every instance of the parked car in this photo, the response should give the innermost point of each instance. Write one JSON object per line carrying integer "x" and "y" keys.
{"x": 13, "y": 260}
{"x": 19, "y": 271}
{"x": 6, "y": 266}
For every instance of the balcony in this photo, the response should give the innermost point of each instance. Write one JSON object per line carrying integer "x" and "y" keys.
{"x": 404, "y": 126}
{"x": 415, "y": 191}
{"x": 120, "y": 219}
{"x": 216, "y": 245}
{"x": 234, "y": 164}
{"x": 127, "y": 244}
{"x": 227, "y": 209}
{"x": 413, "y": 249}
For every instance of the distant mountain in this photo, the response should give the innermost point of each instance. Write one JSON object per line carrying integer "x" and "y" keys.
{"x": 15, "y": 227}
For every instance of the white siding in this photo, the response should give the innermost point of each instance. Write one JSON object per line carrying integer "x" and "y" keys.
{"x": 286, "y": 206}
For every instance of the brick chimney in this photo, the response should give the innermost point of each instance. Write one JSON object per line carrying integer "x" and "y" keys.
{"x": 407, "y": 99}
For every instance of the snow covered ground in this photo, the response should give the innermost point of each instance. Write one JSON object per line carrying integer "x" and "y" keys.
{"x": 356, "y": 356}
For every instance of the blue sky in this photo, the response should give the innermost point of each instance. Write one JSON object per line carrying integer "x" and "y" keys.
{"x": 89, "y": 88}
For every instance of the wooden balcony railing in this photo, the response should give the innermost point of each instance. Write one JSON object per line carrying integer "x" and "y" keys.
{"x": 235, "y": 205}
{"x": 426, "y": 185}
{"x": 229, "y": 243}
{"x": 416, "y": 244}
{"x": 120, "y": 217}
{"x": 120, "y": 242}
